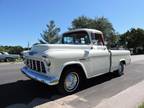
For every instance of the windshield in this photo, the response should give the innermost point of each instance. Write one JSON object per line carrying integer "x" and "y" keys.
{"x": 80, "y": 37}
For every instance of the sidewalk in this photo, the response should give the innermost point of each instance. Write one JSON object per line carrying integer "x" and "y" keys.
{"x": 129, "y": 98}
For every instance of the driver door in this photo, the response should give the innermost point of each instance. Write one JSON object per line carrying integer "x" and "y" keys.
{"x": 100, "y": 56}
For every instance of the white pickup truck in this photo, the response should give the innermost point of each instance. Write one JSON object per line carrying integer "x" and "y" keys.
{"x": 80, "y": 55}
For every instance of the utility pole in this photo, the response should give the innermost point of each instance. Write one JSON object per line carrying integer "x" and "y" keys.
{"x": 28, "y": 46}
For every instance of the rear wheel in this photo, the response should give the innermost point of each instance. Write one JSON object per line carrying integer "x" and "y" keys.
{"x": 70, "y": 81}
{"x": 120, "y": 70}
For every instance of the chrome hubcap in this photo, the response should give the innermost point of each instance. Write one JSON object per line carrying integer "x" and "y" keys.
{"x": 71, "y": 81}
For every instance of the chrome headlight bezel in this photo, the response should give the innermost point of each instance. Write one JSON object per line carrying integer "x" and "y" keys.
{"x": 48, "y": 62}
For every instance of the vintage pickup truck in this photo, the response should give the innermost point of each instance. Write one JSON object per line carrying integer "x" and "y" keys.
{"x": 81, "y": 54}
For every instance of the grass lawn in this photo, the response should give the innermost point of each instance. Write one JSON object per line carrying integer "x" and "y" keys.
{"x": 141, "y": 106}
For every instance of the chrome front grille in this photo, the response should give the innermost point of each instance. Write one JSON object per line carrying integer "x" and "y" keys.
{"x": 35, "y": 65}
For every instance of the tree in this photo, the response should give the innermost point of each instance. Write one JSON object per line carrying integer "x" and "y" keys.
{"x": 15, "y": 50}
{"x": 82, "y": 22}
{"x": 133, "y": 38}
{"x": 114, "y": 40}
{"x": 12, "y": 49}
{"x": 50, "y": 35}
{"x": 99, "y": 23}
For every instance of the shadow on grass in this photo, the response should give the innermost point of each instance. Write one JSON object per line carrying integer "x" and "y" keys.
{"x": 24, "y": 92}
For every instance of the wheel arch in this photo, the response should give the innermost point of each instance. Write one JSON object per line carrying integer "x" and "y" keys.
{"x": 123, "y": 61}
{"x": 75, "y": 64}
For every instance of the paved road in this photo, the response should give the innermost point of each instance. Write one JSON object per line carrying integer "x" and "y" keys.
{"x": 15, "y": 88}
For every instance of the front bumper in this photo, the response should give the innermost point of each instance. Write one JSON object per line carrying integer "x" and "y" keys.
{"x": 39, "y": 77}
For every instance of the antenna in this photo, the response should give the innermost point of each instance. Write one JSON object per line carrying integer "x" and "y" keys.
{"x": 28, "y": 45}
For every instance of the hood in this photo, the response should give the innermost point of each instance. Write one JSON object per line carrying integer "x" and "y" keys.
{"x": 45, "y": 47}
{"x": 59, "y": 51}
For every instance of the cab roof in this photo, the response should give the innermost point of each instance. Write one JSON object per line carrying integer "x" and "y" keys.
{"x": 85, "y": 29}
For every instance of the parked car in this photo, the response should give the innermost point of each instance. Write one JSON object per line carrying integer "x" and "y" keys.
{"x": 81, "y": 55}
{"x": 5, "y": 56}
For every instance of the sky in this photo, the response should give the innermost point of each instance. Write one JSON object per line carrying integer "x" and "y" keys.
{"x": 22, "y": 21}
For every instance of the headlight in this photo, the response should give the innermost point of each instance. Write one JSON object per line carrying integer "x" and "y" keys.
{"x": 48, "y": 63}
{"x": 46, "y": 59}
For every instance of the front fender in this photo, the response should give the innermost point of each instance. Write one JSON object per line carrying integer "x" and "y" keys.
{"x": 75, "y": 63}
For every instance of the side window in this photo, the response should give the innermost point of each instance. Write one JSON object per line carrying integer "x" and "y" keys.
{"x": 97, "y": 39}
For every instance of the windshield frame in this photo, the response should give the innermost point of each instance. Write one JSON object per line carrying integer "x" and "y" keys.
{"x": 82, "y": 31}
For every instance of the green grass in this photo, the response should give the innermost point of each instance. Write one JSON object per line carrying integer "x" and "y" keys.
{"x": 19, "y": 60}
{"x": 141, "y": 106}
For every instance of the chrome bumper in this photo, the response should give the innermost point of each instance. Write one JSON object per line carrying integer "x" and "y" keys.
{"x": 39, "y": 77}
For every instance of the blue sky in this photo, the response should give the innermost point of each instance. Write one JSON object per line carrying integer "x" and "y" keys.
{"x": 22, "y": 21}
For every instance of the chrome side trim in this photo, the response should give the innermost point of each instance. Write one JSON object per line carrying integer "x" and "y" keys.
{"x": 49, "y": 80}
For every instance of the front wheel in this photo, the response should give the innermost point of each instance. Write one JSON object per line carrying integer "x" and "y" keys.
{"x": 70, "y": 81}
